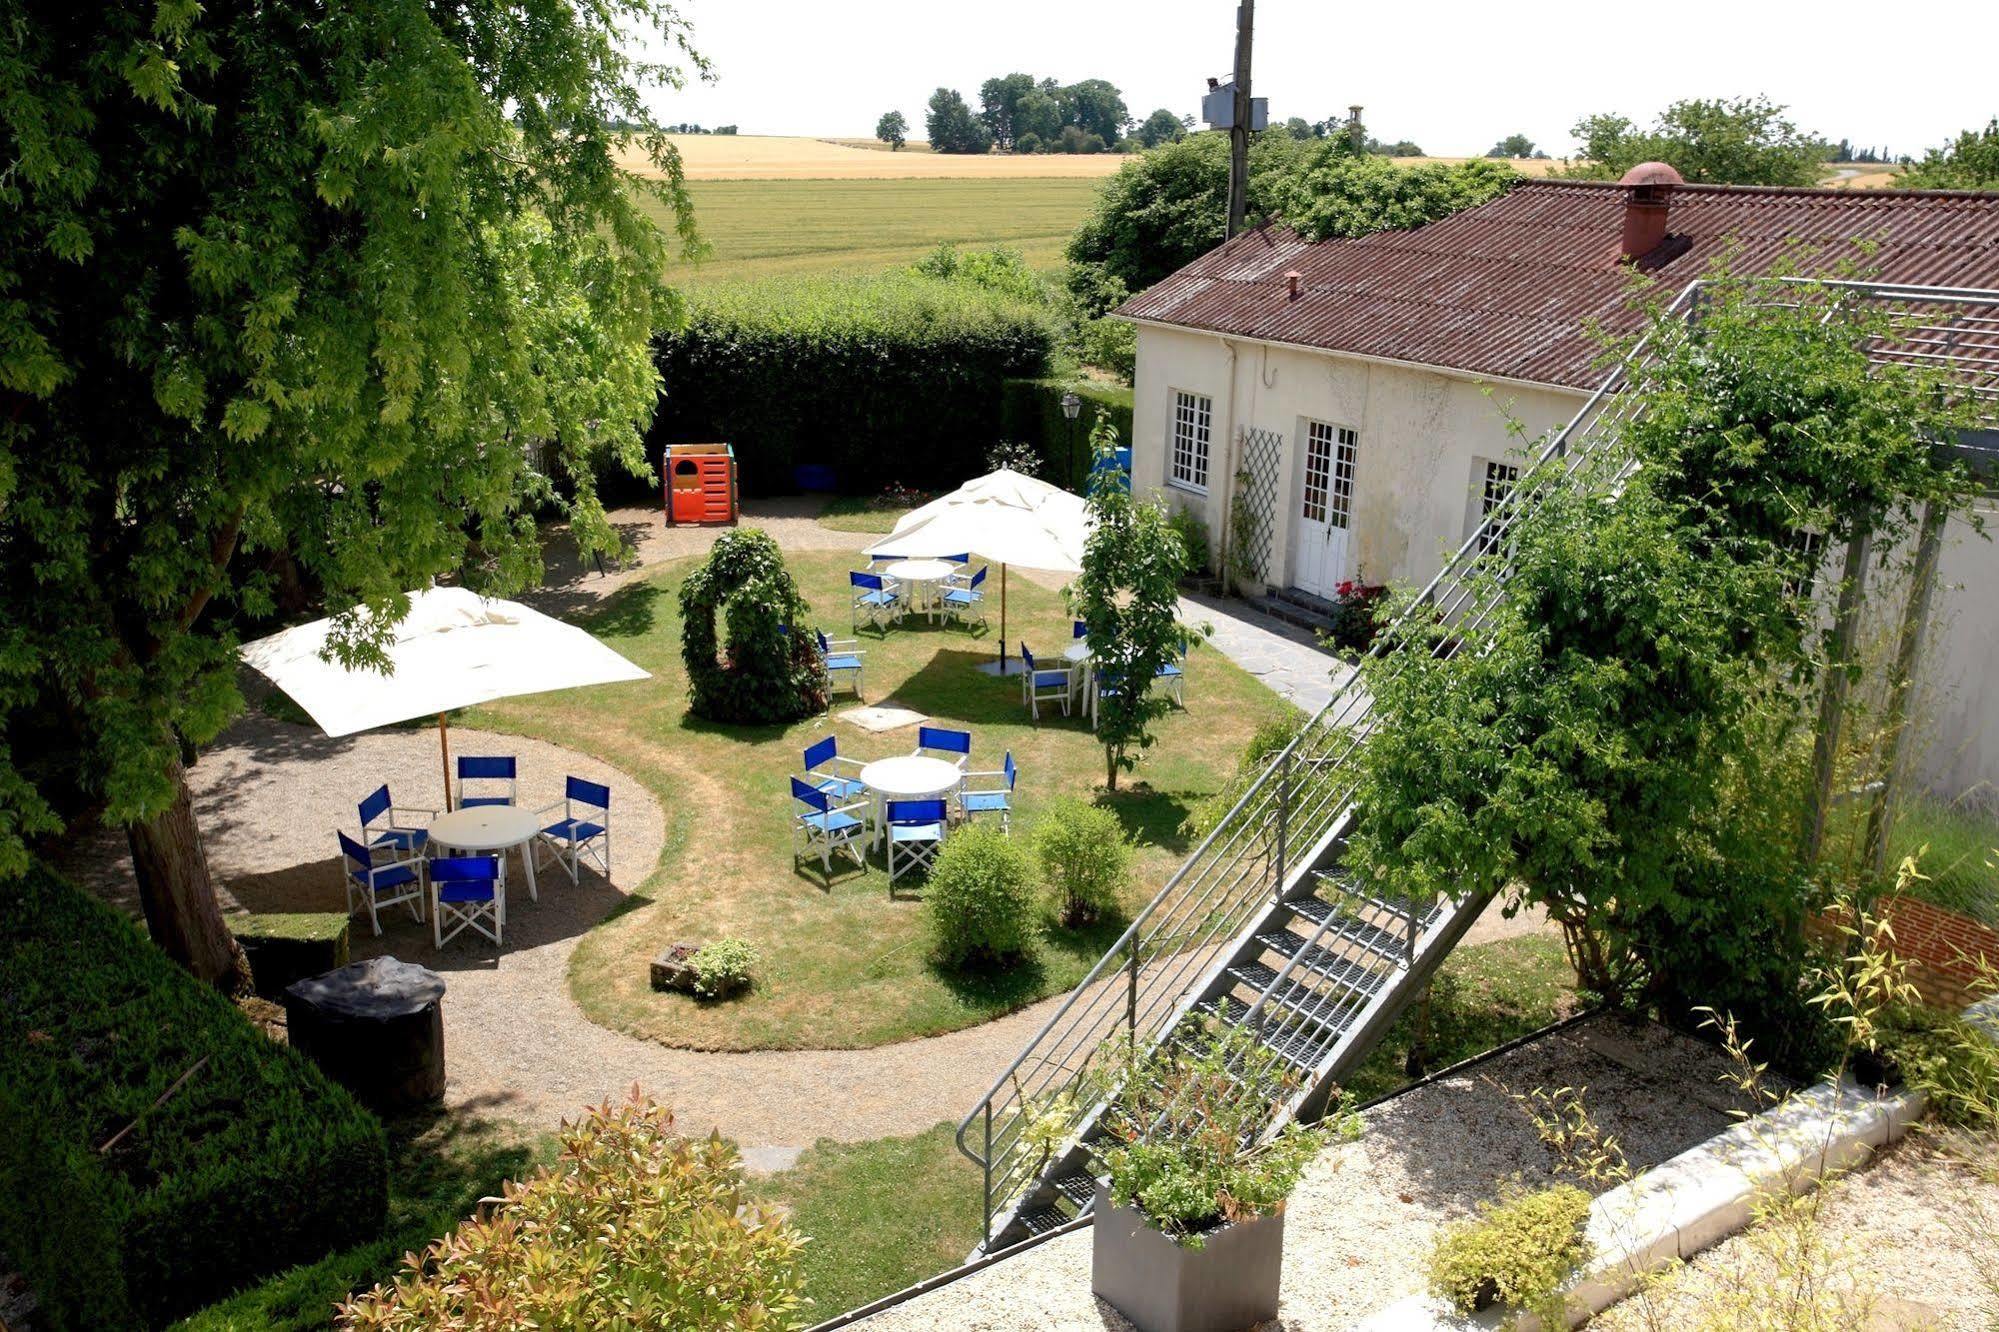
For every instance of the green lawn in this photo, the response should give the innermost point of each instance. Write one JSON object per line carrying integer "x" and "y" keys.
{"x": 860, "y": 513}
{"x": 440, "y": 1165}
{"x": 766, "y": 228}
{"x": 1956, "y": 849}
{"x": 846, "y": 964}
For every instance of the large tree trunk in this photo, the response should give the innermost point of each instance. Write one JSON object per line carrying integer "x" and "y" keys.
{"x": 179, "y": 897}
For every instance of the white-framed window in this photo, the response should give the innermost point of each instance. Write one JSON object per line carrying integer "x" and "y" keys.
{"x": 1808, "y": 546}
{"x": 1330, "y": 455}
{"x": 1187, "y": 450}
{"x": 1497, "y": 483}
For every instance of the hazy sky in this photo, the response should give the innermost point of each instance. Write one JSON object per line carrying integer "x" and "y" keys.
{"x": 1453, "y": 77}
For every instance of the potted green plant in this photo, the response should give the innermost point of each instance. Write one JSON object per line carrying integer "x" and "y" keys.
{"x": 1189, "y": 1231}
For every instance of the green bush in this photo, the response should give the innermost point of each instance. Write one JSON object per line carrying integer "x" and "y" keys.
{"x": 1517, "y": 1252}
{"x": 634, "y": 1227}
{"x": 255, "y": 1162}
{"x": 1031, "y": 410}
{"x": 723, "y": 968}
{"x": 980, "y": 899}
{"x": 763, "y": 672}
{"x": 1950, "y": 1059}
{"x": 1192, "y": 530}
{"x": 999, "y": 269}
{"x": 895, "y": 377}
{"x": 1269, "y": 740}
{"x": 1085, "y": 860}
{"x": 1110, "y": 345}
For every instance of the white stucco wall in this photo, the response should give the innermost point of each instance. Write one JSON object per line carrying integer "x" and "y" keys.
{"x": 1421, "y": 434}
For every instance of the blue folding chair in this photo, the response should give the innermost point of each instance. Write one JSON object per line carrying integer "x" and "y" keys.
{"x": 841, "y": 658}
{"x": 1079, "y": 629}
{"x": 821, "y": 773}
{"x": 379, "y": 883}
{"x": 993, "y": 799}
{"x": 916, "y": 828}
{"x": 471, "y": 892}
{"x": 962, "y": 597}
{"x": 499, "y": 770}
{"x": 382, "y": 827}
{"x": 876, "y": 598}
{"x": 1041, "y": 684}
{"x": 828, "y": 826}
{"x": 583, "y": 830}
{"x": 945, "y": 743}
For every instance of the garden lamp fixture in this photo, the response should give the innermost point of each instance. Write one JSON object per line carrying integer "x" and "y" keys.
{"x": 1072, "y": 406}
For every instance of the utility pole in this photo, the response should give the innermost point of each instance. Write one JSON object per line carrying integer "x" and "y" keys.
{"x": 1245, "y": 23}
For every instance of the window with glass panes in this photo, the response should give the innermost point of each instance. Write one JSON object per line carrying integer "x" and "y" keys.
{"x": 1193, "y": 419}
{"x": 1500, "y": 478}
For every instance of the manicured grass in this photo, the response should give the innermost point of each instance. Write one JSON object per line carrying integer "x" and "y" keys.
{"x": 859, "y": 513}
{"x": 845, "y": 963}
{"x": 1483, "y": 996}
{"x": 1956, "y": 849}
{"x": 768, "y": 228}
{"x": 882, "y": 1215}
{"x": 440, "y": 1165}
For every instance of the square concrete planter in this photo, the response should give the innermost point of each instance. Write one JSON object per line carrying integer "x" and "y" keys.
{"x": 1229, "y": 1283}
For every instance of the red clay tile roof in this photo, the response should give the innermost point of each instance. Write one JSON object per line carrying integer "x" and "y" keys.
{"x": 1509, "y": 288}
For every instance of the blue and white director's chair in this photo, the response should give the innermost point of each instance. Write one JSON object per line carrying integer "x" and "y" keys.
{"x": 583, "y": 830}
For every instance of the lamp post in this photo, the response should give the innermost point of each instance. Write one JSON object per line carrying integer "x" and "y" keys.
{"x": 1071, "y": 407}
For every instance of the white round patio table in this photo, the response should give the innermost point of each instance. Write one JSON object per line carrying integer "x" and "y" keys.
{"x": 491, "y": 830}
{"x": 1077, "y": 654}
{"x": 923, "y": 575}
{"x": 910, "y": 777}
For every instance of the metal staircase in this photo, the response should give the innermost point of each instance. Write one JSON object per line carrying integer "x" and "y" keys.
{"x": 1263, "y": 928}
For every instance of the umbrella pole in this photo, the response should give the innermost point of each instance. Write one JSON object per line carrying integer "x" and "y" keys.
{"x": 444, "y": 748}
{"x": 1002, "y": 621}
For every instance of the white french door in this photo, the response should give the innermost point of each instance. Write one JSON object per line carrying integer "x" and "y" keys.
{"x": 1321, "y": 560}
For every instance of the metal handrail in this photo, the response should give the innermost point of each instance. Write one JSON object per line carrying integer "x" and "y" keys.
{"x": 1211, "y": 899}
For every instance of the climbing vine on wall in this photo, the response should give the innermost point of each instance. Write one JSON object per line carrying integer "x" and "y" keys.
{"x": 767, "y": 668}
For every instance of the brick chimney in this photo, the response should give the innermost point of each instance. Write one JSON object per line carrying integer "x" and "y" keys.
{"x": 1648, "y": 189}
{"x": 1293, "y": 279}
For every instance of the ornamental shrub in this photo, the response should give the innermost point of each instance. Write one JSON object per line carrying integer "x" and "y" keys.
{"x": 254, "y": 1163}
{"x": 634, "y": 1226}
{"x": 890, "y": 377}
{"x": 1518, "y": 1252}
{"x": 980, "y": 899}
{"x": 764, "y": 672}
{"x": 723, "y": 968}
{"x": 1085, "y": 860}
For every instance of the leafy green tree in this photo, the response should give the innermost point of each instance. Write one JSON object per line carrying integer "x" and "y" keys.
{"x": 1514, "y": 145}
{"x": 952, "y": 127}
{"x": 1162, "y": 126}
{"x": 1400, "y": 148}
{"x": 1164, "y": 210}
{"x": 1095, "y": 107}
{"x": 279, "y": 312}
{"x": 1739, "y": 141}
{"x": 1970, "y": 162}
{"x": 893, "y": 130}
{"x": 1622, "y": 744}
{"x": 998, "y": 100}
{"x": 1300, "y": 129}
{"x": 1128, "y": 596}
{"x": 1337, "y": 194}
{"x": 1038, "y": 117}
{"x": 768, "y": 669}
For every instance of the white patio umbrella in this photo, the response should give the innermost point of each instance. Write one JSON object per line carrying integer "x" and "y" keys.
{"x": 1004, "y": 517}
{"x": 454, "y": 648}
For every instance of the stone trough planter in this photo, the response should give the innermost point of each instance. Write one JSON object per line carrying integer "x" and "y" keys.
{"x": 671, "y": 970}
{"x": 1230, "y": 1282}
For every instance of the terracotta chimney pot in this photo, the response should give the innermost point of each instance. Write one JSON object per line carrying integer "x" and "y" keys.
{"x": 1293, "y": 279}
{"x": 1647, "y": 200}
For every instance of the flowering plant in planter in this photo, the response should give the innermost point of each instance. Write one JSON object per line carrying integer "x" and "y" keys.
{"x": 1356, "y": 616}
{"x": 1189, "y": 1235}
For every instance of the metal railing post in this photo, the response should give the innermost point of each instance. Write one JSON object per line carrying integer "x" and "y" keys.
{"x": 1283, "y": 818}
{"x": 1131, "y": 997}
{"x": 988, "y": 1154}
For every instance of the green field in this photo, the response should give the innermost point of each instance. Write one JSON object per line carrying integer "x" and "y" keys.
{"x": 765, "y": 228}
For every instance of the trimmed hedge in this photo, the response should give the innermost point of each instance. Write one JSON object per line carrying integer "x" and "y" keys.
{"x": 1031, "y": 411}
{"x": 255, "y": 1163}
{"x": 895, "y": 377}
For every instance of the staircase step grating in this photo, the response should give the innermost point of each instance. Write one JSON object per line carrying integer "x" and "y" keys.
{"x": 1347, "y": 971}
{"x": 1080, "y": 1189}
{"x": 1295, "y": 1044}
{"x": 1042, "y": 1220}
{"x": 1375, "y": 938}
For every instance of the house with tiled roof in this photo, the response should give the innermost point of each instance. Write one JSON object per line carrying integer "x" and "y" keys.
{"x": 1349, "y": 409}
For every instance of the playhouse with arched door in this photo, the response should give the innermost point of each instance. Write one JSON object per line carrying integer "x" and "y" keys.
{"x": 700, "y": 484}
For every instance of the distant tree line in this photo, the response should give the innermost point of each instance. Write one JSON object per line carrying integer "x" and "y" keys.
{"x": 690, "y": 128}
{"x": 1515, "y": 145}
{"x": 1969, "y": 162}
{"x": 1352, "y": 131}
{"x": 1018, "y": 113}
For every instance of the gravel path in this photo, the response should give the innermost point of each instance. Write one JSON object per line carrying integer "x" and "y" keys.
{"x": 1365, "y": 1213}
{"x": 1911, "y": 1242}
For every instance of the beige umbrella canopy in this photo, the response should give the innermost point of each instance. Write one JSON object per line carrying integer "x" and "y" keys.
{"x": 455, "y": 648}
{"x": 1005, "y": 517}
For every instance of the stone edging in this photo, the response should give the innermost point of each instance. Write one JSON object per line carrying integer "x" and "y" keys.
{"x": 1704, "y": 1195}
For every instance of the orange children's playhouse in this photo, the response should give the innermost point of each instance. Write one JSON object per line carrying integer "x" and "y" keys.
{"x": 700, "y": 484}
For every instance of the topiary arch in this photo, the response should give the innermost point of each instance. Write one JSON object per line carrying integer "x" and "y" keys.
{"x": 766, "y": 672}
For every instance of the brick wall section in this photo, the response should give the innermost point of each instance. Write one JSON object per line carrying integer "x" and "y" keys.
{"x": 1944, "y": 950}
